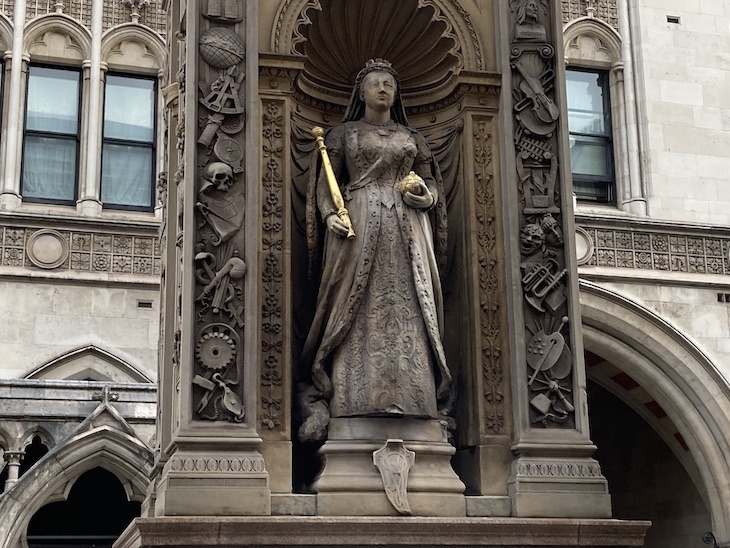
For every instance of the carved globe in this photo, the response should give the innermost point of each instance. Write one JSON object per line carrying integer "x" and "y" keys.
{"x": 222, "y": 48}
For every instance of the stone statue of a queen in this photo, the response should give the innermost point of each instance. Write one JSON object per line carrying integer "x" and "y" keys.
{"x": 375, "y": 348}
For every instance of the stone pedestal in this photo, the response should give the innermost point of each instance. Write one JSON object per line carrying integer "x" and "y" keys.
{"x": 362, "y": 531}
{"x": 350, "y": 484}
{"x": 554, "y": 487}
{"x": 232, "y": 483}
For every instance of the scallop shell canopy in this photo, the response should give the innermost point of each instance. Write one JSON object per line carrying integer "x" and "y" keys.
{"x": 338, "y": 38}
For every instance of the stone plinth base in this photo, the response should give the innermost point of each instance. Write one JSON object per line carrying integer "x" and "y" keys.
{"x": 351, "y": 485}
{"x": 383, "y": 531}
{"x": 559, "y": 487}
{"x": 214, "y": 483}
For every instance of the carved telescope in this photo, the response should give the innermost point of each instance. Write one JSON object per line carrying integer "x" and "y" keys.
{"x": 334, "y": 187}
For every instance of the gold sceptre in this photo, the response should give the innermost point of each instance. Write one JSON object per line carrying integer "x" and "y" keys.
{"x": 339, "y": 203}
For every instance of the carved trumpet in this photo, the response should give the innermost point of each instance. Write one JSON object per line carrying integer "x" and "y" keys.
{"x": 334, "y": 187}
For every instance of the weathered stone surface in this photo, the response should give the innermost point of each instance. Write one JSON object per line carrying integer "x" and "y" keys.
{"x": 396, "y": 531}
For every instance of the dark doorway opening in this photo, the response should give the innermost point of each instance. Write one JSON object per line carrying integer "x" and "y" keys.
{"x": 645, "y": 477}
{"x": 95, "y": 514}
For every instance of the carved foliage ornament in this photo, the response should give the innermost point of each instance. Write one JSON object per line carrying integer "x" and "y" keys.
{"x": 272, "y": 343}
{"x": 488, "y": 278}
{"x": 549, "y": 358}
{"x": 220, "y": 270}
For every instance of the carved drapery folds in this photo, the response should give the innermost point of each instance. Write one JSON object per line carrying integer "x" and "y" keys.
{"x": 543, "y": 269}
{"x": 220, "y": 271}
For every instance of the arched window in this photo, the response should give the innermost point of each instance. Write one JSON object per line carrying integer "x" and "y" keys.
{"x": 95, "y": 514}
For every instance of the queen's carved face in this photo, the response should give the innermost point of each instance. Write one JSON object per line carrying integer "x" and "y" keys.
{"x": 378, "y": 90}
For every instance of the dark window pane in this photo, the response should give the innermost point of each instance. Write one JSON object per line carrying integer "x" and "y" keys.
{"x": 589, "y": 156}
{"x": 49, "y": 168}
{"x": 126, "y": 175}
{"x": 593, "y": 191}
{"x": 586, "y": 122}
{"x": 586, "y": 102}
{"x": 129, "y": 109}
{"x": 591, "y": 148}
{"x": 53, "y": 100}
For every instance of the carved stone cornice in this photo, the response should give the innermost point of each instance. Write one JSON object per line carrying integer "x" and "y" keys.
{"x": 133, "y": 252}
{"x": 278, "y": 72}
{"x": 644, "y": 245}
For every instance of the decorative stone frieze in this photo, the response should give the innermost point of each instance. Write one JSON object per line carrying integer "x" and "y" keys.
{"x": 231, "y": 465}
{"x": 544, "y": 267}
{"x": 561, "y": 469}
{"x": 658, "y": 250}
{"x": 606, "y": 10}
{"x": 80, "y": 251}
{"x": 116, "y": 12}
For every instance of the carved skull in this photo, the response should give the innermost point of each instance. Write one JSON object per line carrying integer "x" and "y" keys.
{"x": 220, "y": 175}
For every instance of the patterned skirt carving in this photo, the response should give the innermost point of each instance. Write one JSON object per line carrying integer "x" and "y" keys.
{"x": 385, "y": 365}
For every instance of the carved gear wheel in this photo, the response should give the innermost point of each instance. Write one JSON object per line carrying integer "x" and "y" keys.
{"x": 215, "y": 350}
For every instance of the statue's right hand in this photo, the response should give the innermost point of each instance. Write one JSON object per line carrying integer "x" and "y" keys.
{"x": 336, "y": 226}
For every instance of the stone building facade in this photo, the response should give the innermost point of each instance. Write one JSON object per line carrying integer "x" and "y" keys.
{"x": 80, "y": 268}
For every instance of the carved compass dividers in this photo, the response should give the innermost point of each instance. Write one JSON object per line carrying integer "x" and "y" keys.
{"x": 549, "y": 360}
{"x": 220, "y": 204}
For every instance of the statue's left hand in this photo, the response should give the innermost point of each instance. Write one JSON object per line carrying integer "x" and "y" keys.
{"x": 423, "y": 200}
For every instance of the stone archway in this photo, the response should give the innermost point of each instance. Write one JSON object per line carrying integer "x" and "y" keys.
{"x": 102, "y": 440}
{"x": 680, "y": 378}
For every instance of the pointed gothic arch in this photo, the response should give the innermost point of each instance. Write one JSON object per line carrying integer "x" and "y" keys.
{"x": 679, "y": 376}
{"x": 103, "y": 440}
{"x": 89, "y": 361}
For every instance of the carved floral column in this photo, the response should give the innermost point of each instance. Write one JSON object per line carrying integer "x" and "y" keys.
{"x": 277, "y": 73}
{"x": 475, "y": 300}
{"x": 210, "y": 458}
{"x": 553, "y": 473}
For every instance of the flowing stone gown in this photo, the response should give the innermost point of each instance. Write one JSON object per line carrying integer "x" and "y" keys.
{"x": 375, "y": 344}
